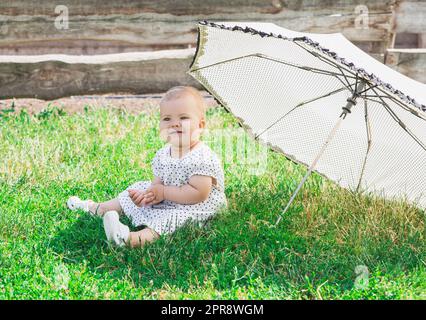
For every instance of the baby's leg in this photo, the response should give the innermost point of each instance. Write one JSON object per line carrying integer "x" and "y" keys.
{"x": 140, "y": 238}
{"x": 102, "y": 207}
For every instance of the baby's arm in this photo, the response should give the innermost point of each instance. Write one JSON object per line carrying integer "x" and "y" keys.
{"x": 197, "y": 190}
{"x": 156, "y": 180}
{"x": 138, "y": 196}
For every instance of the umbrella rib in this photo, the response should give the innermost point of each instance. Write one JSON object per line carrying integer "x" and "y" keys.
{"x": 262, "y": 56}
{"x": 318, "y": 56}
{"x": 332, "y": 64}
{"x": 300, "y": 105}
{"x": 315, "y": 70}
{"x": 413, "y": 111}
{"x": 348, "y": 86}
{"x": 312, "y": 69}
{"x": 401, "y": 123}
{"x": 369, "y": 88}
{"x": 340, "y": 68}
{"x": 374, "y": 96}
{"x": 345, "y": 77}
{"x": 372, "y": 100}
{"x": 327, "y": 61}
{"x": 368, "y": 128}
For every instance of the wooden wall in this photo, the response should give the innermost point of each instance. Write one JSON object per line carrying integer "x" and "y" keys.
{"x": 53, "y": 76}
{"x": 411, "y": 62}
{"x": 111, "y": 26}
{"x": 96, "y": 27}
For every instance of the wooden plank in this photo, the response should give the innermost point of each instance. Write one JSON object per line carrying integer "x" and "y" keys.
{"x": 410, "y": 62}
{"x": 183, "y": 7}
{"x": 52, "y": 76}
{"x": 410, "y": 16}
{"x": 406, "y": 40}
{"x": 150, "y": 24}
{"x": 422, "y": 40}
{"x": 81, "y": 47}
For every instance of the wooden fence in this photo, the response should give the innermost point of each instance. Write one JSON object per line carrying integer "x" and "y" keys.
{"x": 53, "y": 76}
{"x": 93, "y": 28}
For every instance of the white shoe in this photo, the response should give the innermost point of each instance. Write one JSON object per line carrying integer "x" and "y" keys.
{"x": 115, "y": 231}
{"x": 75, "y": 203}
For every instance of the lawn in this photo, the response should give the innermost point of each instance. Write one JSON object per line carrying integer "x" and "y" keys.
{"x": 328, "y": 241}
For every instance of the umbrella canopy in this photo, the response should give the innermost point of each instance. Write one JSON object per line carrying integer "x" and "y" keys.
{"x": 322, "y": 102}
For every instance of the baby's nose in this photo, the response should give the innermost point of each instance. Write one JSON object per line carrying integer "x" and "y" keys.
{"x": 175, "y": 124}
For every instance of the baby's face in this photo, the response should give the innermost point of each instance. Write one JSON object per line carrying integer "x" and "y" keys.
{"x": 180, "y": 121}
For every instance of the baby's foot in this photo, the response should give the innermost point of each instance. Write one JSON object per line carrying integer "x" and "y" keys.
{"x": 75, "y": 203}
{"x": 115, "y": 231}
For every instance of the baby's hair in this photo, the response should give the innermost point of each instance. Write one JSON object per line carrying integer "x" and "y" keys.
{"x": 179, "y": 91}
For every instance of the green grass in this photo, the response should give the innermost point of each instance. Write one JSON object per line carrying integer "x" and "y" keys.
{"x": 49, "y": 252}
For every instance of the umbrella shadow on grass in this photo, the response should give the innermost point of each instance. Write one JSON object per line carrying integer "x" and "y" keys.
{"x": 229, "y": 250}
{"x": 170, "y": 260}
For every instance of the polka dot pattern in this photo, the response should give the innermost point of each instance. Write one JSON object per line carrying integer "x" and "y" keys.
{"x": 167, "y": 216}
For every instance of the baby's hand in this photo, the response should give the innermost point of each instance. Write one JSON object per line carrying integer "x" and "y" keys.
{"x": 154, "y": 194}
{"x": 137, "y": 196}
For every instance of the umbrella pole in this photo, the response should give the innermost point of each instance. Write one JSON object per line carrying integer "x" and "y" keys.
{"x": 311, "y": 168}
{"x": 347, "y": 109}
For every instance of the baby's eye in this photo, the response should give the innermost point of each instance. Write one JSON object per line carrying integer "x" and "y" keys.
{"x": 185, "y": 117}
{"x": 166, "y": 119}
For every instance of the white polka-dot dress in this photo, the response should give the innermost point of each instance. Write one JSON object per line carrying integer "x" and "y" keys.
{"x": 167, "y": 216}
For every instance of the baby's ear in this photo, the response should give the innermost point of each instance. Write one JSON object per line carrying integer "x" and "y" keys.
{"x": 202, "y": 123}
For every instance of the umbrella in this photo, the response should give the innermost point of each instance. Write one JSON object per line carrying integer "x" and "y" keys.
{"x": 322, "y": 102}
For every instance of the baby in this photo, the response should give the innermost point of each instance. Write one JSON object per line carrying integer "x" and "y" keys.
{"x": 188, "y": 180}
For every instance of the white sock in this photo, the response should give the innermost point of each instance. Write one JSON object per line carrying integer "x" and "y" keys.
{"x": 115, "y": 231}
{"x": 75, "y": 203}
